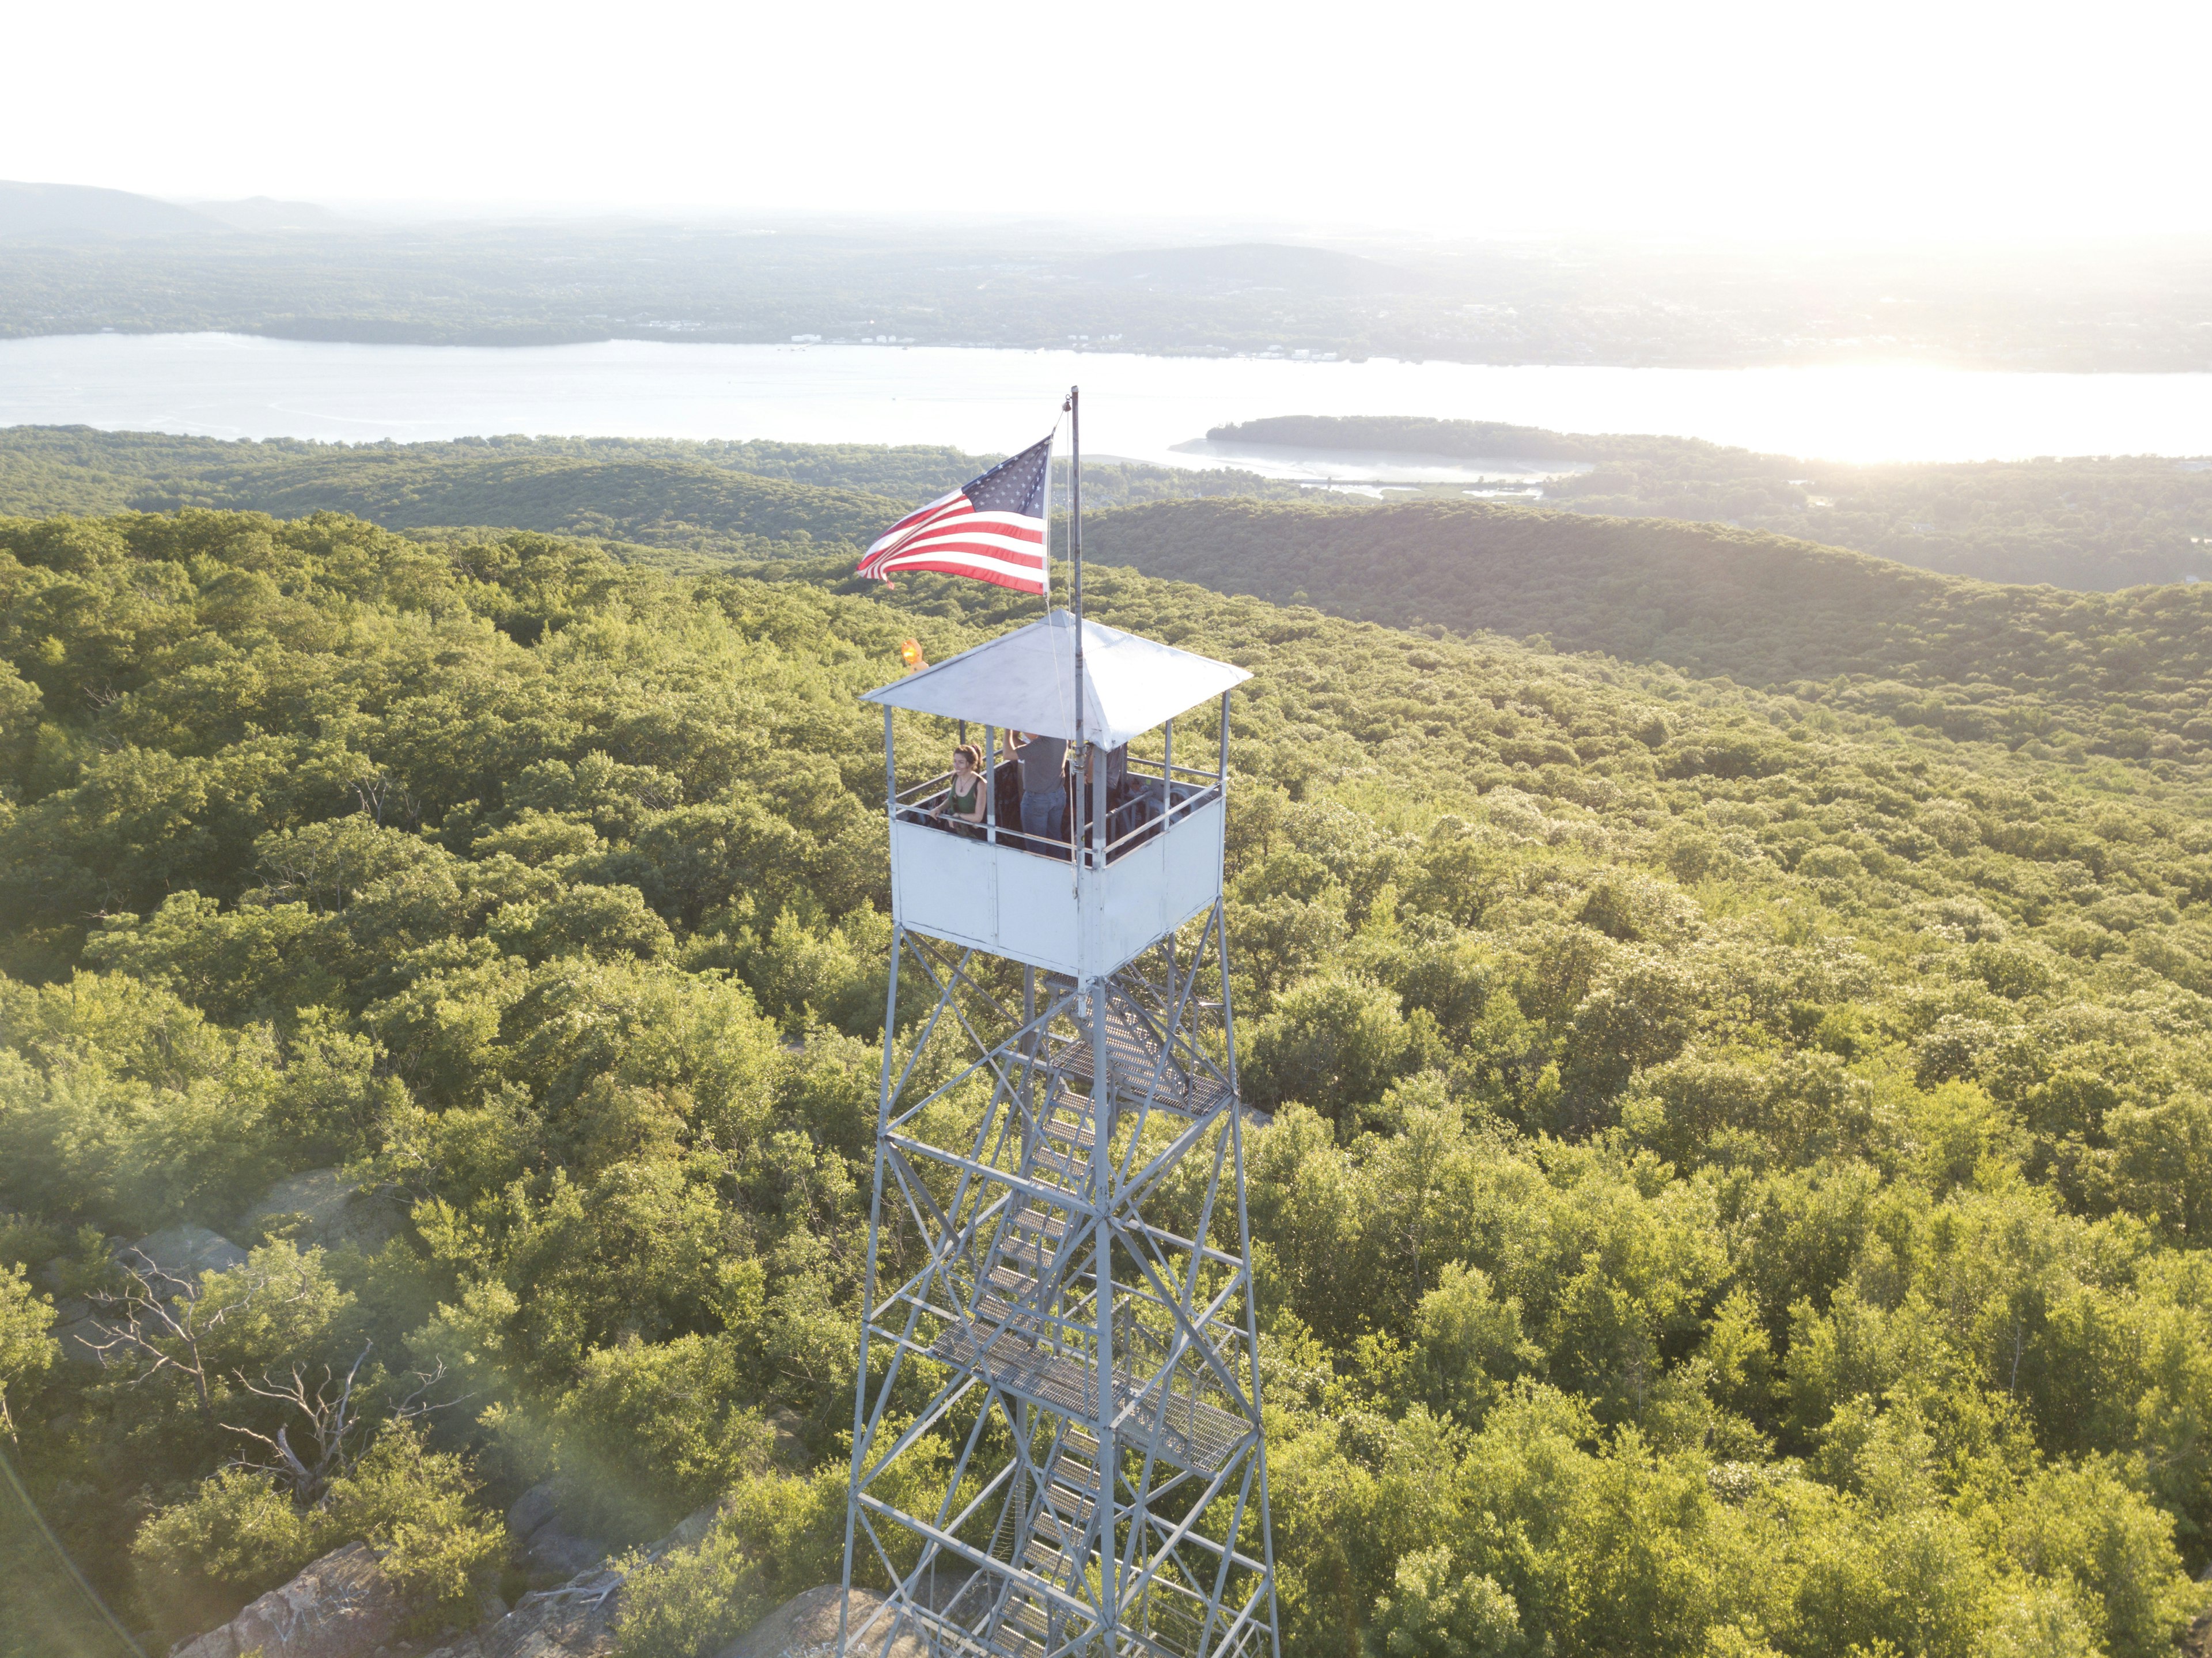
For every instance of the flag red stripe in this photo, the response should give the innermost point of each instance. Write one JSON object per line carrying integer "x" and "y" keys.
{"x": 1005, "y": 534}
{"x": 954, "y": 507}
{"x": 972, "y": 553}
{"x": 923, "y": 514}
{"x": 997, "y": 578}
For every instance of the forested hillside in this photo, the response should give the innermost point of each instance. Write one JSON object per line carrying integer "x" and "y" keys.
{"x": 2099, "y": 306}
{"x": 2051, "y": 673}
{"x": 2095, "y": 524}
{"x": 716, "y": 498}
{"x": 1737, "y": 1184}
{"x": 2099, "y": 523}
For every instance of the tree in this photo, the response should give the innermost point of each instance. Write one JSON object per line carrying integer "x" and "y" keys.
{"x": 1434, "y": 1614}
{"x": 1334, "y": 1043}
{"x": 27, "y": 1352}
{"x": 204, "y": 1334}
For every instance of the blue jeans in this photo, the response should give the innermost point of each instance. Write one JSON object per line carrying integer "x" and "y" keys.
{"x": 1044, "y": 816}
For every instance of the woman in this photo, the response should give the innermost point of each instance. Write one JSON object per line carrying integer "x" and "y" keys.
{"x": 963, "y": 807}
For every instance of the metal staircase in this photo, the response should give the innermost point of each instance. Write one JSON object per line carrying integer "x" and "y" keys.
{"x": 1081, "y": 1376}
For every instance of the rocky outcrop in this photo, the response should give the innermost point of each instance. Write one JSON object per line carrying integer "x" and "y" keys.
{"x": 805, "y": 1626}
{"x": 182, "y": 1252}
{"x": 547, "y": 1550}
{"x": 75, "y": 1329}
{"x": 328, "y": 1212}
{"x": 173, "y": 1256}
{"x": 341, "y": 1606}
{"x": 576, "y": 1620}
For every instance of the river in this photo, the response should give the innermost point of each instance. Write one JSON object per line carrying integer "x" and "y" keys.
{"x": 1136, "y": 407}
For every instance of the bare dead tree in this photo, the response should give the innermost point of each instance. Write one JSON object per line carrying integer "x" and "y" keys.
{"x": 379, "y": 790}
{"x": 332, "y": 1422}
{"x": 160, "y": 1323}
{"x": 154, "y": 1325}
{"x": 334, "y": 1429}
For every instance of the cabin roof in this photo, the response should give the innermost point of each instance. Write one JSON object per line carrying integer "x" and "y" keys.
{"x": 1025, "y": 681}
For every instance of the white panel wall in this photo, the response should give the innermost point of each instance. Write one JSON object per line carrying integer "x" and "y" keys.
{"x": 1191, "y": 872}
{"x": 1025, "y": 907}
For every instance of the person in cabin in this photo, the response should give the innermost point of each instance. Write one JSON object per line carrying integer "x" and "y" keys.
{"x": 1044, "y": 794}
{"x": 961, "y": 811}
{"x": 1082, "y": 788}
{"x": 1007, "y": 792}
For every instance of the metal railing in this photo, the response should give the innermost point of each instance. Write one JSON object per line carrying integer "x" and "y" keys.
{"x": 1182, "y": 790}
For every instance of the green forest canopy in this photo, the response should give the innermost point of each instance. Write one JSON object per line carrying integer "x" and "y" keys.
{"x": 2093, "y": 524}
{"x": 1737, "y": 1183}
{"x": 726, "y": 498}
{"x": 2124, "y": 673}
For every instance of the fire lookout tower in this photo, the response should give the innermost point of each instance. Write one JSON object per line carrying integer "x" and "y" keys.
{"x": 1057, "y": 1446}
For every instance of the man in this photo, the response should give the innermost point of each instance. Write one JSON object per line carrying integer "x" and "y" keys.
{"x": 1044, "y": 794}
{"x": 1116, "y": 763}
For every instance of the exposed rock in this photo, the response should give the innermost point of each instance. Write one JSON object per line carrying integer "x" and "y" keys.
{"x": 556, "y": 1554}
{"x": 942, "y": 1587}
{"x": 576, "y": 1620}
{"x": 805, "y": 1626}
{"x": 533, "y": 1508}
{"x": 182, "y": 1252}
{"x": 545, "y": 1549}
{"x": 336, "y": 1211}
{"x": 76, "y": 1328}
{"x": 341, "y": 1606}
{"x": 790, "y": 1449}
{"x": 689, "y": 1530}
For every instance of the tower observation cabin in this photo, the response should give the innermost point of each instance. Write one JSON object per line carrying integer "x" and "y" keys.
{"x": 1140, "y": 850}
{"x": 1057, "y": 1445}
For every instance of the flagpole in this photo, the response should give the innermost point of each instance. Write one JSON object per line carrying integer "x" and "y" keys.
{"x": 1075, "y": 546}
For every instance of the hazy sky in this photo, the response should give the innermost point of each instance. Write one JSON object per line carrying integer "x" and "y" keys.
{"x": 1909, "y": 119}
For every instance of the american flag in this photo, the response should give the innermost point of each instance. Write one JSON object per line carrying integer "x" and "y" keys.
{"x": 991, "y": 528}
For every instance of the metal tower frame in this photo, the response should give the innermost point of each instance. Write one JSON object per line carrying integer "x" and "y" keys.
{"x": 1057, "y": 1444}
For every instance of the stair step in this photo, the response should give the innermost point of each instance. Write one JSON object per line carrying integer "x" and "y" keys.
{"x": 1028, "y": 1615}
{"x": 1073, "y": 1467}
{"x": 1015, "y": 1320}
{"x": 1076, "y": 1479}
{"x": 1034, "y": 1220}
{"x": 1193, "y": 1434}
{"x": 1075, "y": 1131}
{"x": 1009, "y": 1281}
{"x": 1058, "y": 1189}
{"x": 1050, "y": 1562}
{"x": 1065, "y": 1532}
{"x": 1030, "y": 1256}
{"x": 1060, "y": 1163}
{"x": 1075, "y": 1505}
{"x": 1133, "y": 1060}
